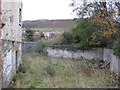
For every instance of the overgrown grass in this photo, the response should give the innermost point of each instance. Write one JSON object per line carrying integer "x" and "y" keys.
{"x": 47, "y": 72}
{"x": 47, "y": 29}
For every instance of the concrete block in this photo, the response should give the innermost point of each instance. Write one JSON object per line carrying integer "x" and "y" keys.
{"x": 107, "y": 54}
{"x": 115, "y": 64}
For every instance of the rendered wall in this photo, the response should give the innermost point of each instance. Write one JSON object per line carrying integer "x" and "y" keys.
{"x": 96, "y": 53}
{"x": 0, "y": 51}
{"x": 11, "y": 58}
{"x": 11, "y": 35}
{"x": 11, "y": 18}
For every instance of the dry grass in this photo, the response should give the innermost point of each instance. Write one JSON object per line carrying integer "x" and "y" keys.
{"x": 66, "y": 74}
{"x": 56, "y": 39}
{"x": 47, "y": 29}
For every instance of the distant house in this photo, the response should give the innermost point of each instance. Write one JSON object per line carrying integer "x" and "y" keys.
{"x": 46, "y": 34}
{"x": 10, "y": 39}
{"x": 36, "y": 35}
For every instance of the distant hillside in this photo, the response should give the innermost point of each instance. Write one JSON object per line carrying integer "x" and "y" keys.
{"x": 48, "y": 24}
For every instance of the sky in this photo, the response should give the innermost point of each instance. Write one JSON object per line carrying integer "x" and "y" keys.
{"x": 47, "y": 9}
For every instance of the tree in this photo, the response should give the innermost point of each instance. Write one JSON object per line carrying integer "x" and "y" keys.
{"x": 86, "y": 8}
{"x": 83, "y": 8}
{"x": 107, "y": 29}
{"x": 118, "y": 6}
{"x": 83, "y": 29}
{"x": 29, "y": 34}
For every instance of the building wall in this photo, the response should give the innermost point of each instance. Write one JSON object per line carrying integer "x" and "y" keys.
{"x": 10, "y": 17}
{"x": 11, "y": 35}
{"x": 11, "y": 59}
{"x": 0, "y": 52}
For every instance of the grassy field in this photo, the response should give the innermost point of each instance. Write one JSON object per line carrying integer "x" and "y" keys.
{"x": 47, "y": 72}
{"x": 47, "y": 29}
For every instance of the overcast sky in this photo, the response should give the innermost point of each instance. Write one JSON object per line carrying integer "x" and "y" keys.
{"x": 47, "y": 9}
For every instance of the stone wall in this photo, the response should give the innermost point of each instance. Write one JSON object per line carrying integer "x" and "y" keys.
{"x": 28, "y": 47}
{"x": 107, "y": 54}
{"x": 114, "y": 60}
{"x": 95, "y": 53}
{"x": 115, "y": 64}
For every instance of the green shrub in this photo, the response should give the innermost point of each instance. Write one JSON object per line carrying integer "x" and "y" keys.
{"x": 68, "y": 38}
{"x": 113, "y": 79}
{"x": 22, "y": 68}
{"x": 104, "y": 43}
{"x": 40, "y": 47}
{"x": 58, "y": 40}
{"x": 73, "y": 27}
{"x": 42, "y": 35}
{"x": 84, "y": 45}
{"x": 44, "y": 85}
{"x": 83, "y": 29}
{"x": 116, "y": 48}
{"x": 29, "y": 34}
{"x": 50, "y": 68}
